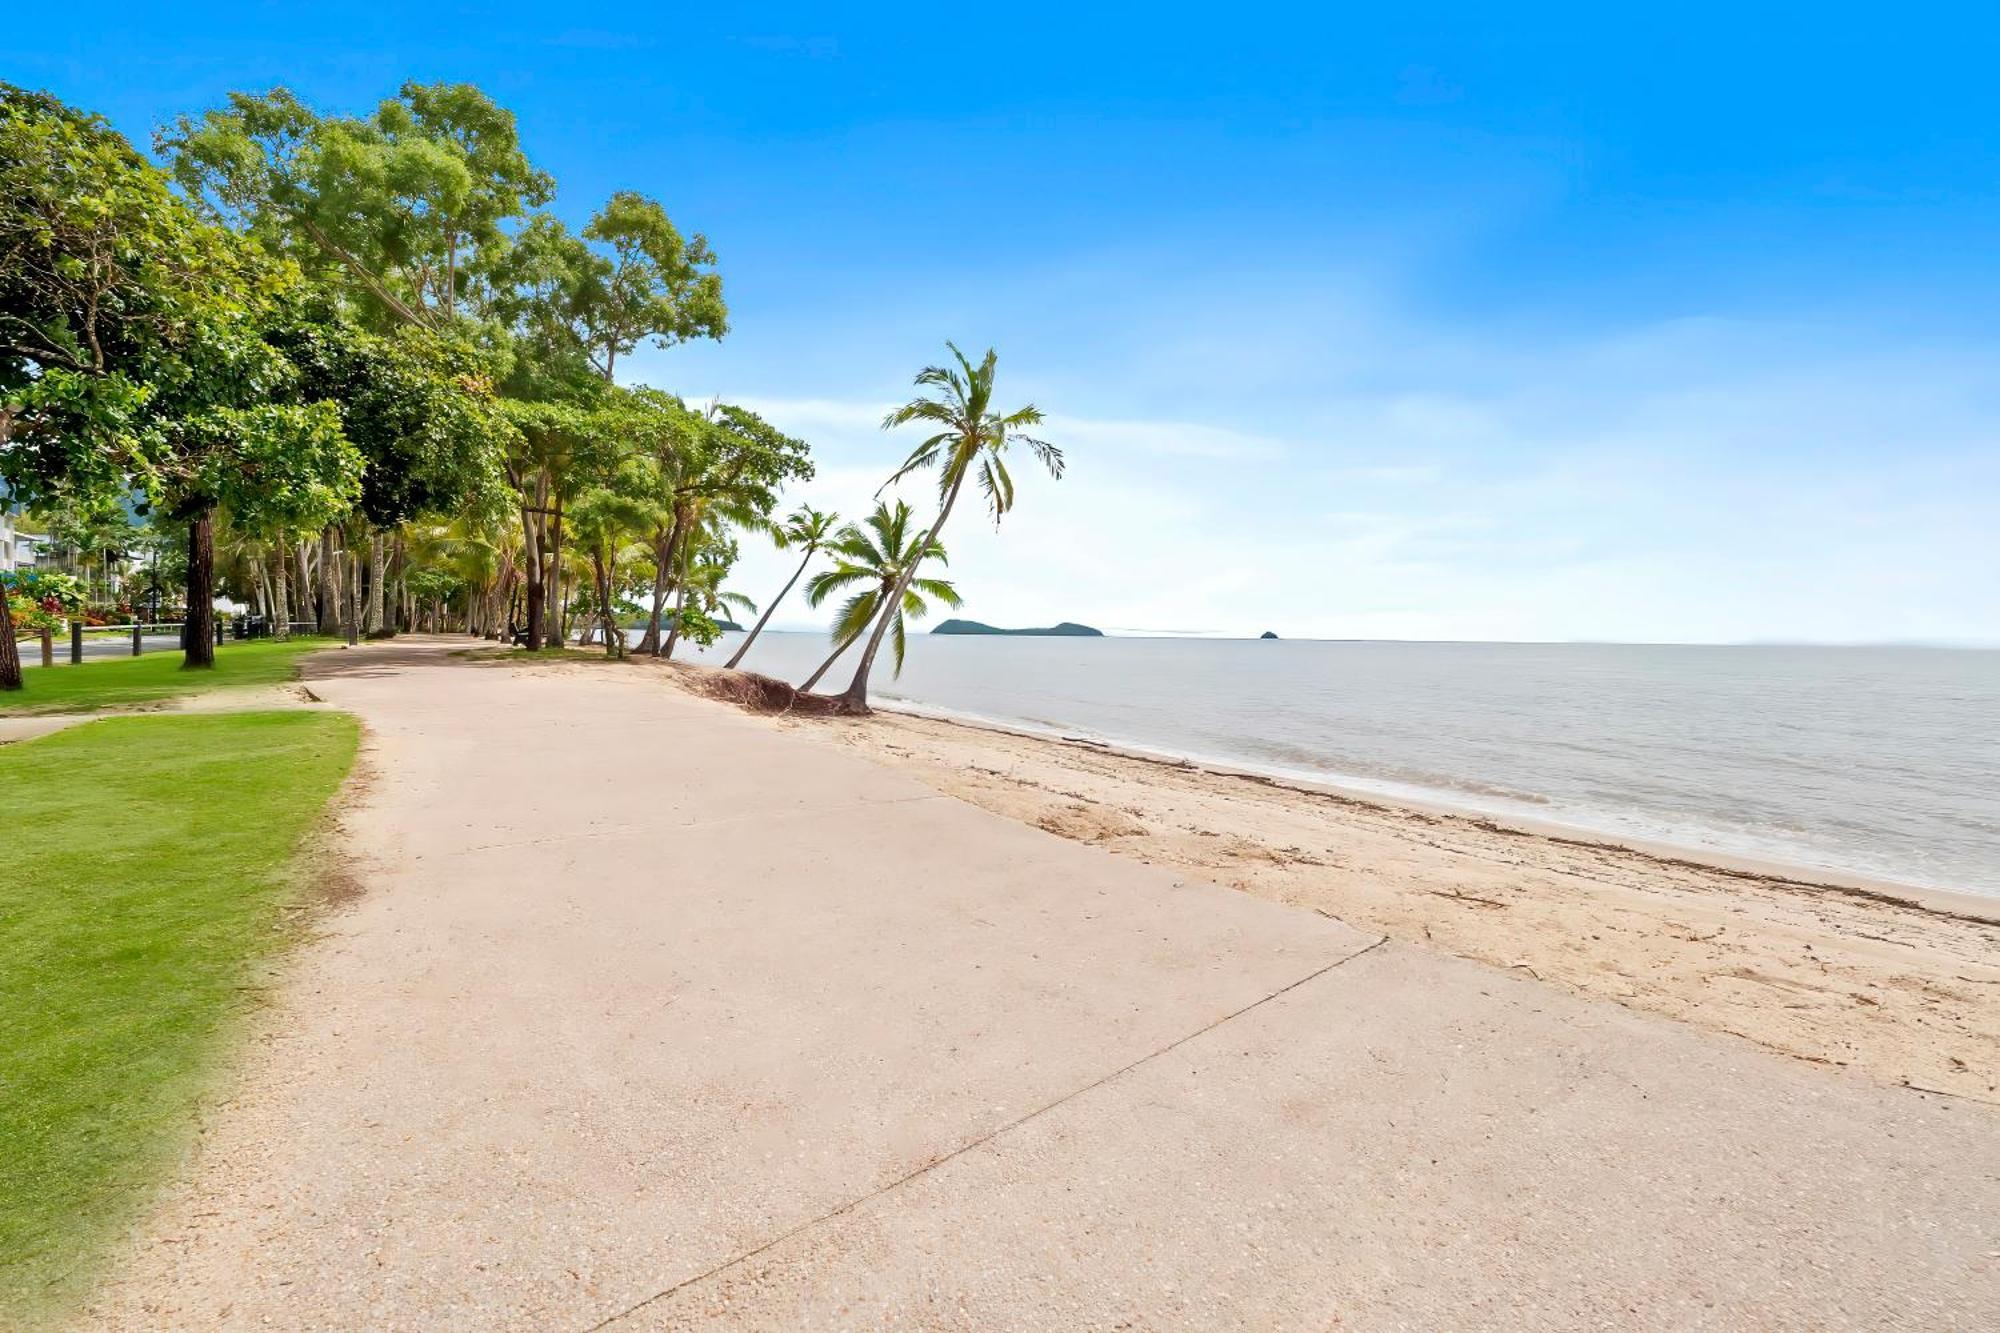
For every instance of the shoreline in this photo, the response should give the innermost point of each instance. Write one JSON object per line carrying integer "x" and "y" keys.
{"x": 1895, "y": 985}
{"x": 1963, "y": 903}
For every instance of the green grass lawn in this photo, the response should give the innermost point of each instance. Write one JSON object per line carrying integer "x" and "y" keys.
{"x": 119, "y": 682}
{"x": 148, "y": 863}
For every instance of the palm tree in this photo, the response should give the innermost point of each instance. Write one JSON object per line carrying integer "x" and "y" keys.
{"x": 805, "y": 527}
{"x": 970, "y": 436}
{"x": 704, "y": 584}
{"x": 883, "y": 558}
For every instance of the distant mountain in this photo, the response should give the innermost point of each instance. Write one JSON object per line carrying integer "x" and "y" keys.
{"x": 1267, "y": 634}
{"x": 1068, "y": 629}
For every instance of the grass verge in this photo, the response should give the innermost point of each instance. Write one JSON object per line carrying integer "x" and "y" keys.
{"x": 119, "y": 682}
{"x": 147, "y": 860}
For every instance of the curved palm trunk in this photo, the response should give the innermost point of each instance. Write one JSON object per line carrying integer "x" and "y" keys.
{"x": 842, "y": 647}
{"x": 762, "y": 620}
{"x": 855, "y": 700}
{"x": 813, "y": 679}
{"x": 198, "y": 636}
{"x": 607, "y": 619}
{"x": 664, "y": 546}
{"x": 685, "y": 562}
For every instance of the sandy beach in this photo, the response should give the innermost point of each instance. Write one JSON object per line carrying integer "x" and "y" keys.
{"x": 1900, "y": 985}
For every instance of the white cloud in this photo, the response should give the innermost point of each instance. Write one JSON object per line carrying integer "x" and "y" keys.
{"x": 1697, "y": 480}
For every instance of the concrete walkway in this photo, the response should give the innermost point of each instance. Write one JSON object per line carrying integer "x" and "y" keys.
{"x": 650, "y": 1016}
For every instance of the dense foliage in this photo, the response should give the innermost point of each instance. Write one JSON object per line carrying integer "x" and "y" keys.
{"x": 351, "y": 369}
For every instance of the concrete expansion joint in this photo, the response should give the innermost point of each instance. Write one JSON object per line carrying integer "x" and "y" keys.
{"x": 984, "y": 1139}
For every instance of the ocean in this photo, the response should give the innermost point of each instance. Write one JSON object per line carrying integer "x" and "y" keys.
{"x": 1880, "y": 762}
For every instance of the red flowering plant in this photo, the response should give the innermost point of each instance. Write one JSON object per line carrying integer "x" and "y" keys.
{"x": 40, "y": 599}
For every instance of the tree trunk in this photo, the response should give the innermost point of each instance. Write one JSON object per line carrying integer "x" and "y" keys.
{"x": 531, "y": 538}
{"x": 281, "y": 597}
{"x": 665, "y": 545}
{"x": 198, "y": 635}
{"x": 607, "y": 619}
{"x": 329, "y": 584}
{"x": 758, "y": 628}
{"x": 378, "y": 564}
{"x": 556, "y": 626}
{"x": 674, "y": 633}
{"x": 10, "y": 648}
{"x": 405, "y": 609}
{"x": 302, "y": 559}
{"x": 353, "y": 620}
{"x": 855, "y": 700}
{"x": 813, "y": 679}
{"x": 681, "y": 564}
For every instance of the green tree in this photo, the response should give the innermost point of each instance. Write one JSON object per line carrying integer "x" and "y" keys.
{"x": 805, "y": 529}
{"x": 631, "y": 278}
{"x": 97, "y": 265}
{"x": 605, "y": 518}
{"x": 882, "y": 556}
{"x": 727, "y": 470}
{"x": 225, "y": 427}
{"x": 554, "y": 452}
{"x": 133, "y": 351}
{"x": 971, "y": 438}
{"x": 420, "y": 408}
{"x": 399, "y": 204}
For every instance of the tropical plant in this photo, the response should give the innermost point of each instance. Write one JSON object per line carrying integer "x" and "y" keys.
{"x": 971, "y": 437}
{"x": 728, "y": 468}
{"x": 605, "y": 518}
{"x": 806, "y": 529}
{"x": 881, "y": 556}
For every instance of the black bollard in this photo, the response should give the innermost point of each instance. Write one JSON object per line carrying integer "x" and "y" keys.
{"x": 76, "y": 643}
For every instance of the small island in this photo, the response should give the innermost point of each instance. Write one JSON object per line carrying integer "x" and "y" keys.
{"x": 1268, "y": 634}
{"x": 1067, "y": 629}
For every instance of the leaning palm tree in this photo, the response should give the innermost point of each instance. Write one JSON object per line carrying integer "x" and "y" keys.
{"x": 971, "y": 436}
{"x": 882, "y": 556}
{"x": 807, "y": 528}
{"x": 704, "y": 586}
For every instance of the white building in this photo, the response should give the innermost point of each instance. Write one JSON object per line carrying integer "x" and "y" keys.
{"x": 18, "y": 550}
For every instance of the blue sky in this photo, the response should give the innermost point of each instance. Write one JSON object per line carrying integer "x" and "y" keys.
{"x": 1541, "y": 322}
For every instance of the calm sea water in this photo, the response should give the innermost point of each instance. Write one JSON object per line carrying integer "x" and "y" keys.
{"x": 1878, "y": 761}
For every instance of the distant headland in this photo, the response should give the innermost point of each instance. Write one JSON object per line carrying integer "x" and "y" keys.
{"x": 1067, "y": 629}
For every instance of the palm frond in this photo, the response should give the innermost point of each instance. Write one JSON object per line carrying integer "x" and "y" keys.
{"x": 856, "y": 614}
{"x": 921, "y": 457}
{"x": 825, "y": 584}
{"x": 1050, "y": 456}
{"x": 940, "y": 589}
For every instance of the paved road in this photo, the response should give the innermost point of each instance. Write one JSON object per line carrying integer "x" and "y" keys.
{"x": 97, "y": 645}
{"x": 648, "y": 1015}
